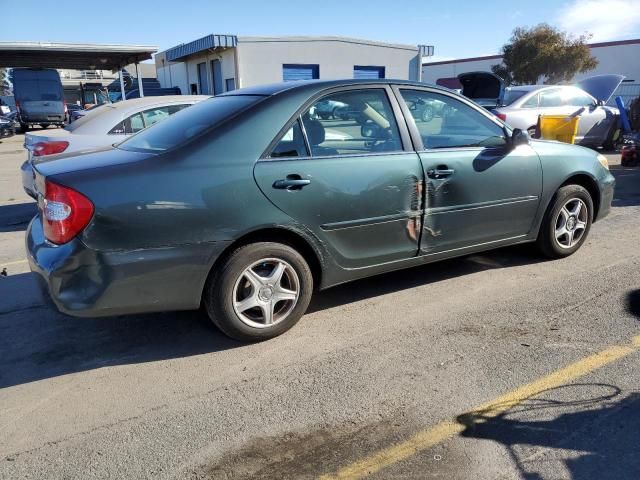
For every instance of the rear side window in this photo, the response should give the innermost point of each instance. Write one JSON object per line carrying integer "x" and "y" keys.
{"x": 531, "y": 102}
{"x": 352, "y": 122}
{"x": 291, "y": 144}
{"x": 180, "y": 128}
{"x": 511, "y": 96}
{"x": 138, "y": 121}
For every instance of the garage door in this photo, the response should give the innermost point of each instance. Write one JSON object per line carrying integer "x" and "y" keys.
{"x": 368, "y": 72}
{"x": 291, "y": 72}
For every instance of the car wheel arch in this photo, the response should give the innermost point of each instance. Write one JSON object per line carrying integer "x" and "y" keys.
{"x": 286, "y": 236}
{"x": 589, "y": 183}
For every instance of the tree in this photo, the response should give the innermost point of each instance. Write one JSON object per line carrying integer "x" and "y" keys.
{"x": 543, "y": 53}
{"x": 5, "y": 85}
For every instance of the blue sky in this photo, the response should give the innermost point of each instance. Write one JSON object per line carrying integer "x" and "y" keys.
{"x": 457, "y": 29}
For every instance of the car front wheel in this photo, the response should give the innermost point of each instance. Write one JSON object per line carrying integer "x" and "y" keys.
{"x": 259, "y": 291}
{"x": 567, "y": 222}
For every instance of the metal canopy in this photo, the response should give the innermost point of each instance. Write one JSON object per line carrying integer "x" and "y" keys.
{"x": 205, "y": 43}
{"x": 74, "y": 56}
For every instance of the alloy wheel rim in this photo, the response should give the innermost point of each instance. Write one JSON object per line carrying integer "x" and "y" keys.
{"x": 266, "y": 293}
{"x": 571, "y": 223}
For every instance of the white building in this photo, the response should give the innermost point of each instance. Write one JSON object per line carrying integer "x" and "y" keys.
{"x": 619, "y": 57}
{"x": 218, "y": 63}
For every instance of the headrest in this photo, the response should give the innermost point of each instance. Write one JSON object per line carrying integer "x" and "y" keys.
{"x": 315, "y": 131}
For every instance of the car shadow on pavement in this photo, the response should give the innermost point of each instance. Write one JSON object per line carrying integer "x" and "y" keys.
{"x": 15, "y": 217}
{"x": 413, "y": 277}
{"x": 633, "y": 303}
{"x": 580, "y": 431}
{"x": 626, "y": 193}
{"x": 37, "y": 342}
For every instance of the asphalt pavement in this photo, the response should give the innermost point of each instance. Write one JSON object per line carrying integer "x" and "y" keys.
{"x": 494, "y": 366}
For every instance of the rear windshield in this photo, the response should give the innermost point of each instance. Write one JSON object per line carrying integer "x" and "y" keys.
{"x": 511, "y": 96}
{"x": 89, "y": 116}
{"x": 188, "y": 123}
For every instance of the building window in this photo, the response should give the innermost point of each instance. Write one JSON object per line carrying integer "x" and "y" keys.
{"x": 292, "y": 72}
{"x": 230, "y": 84}
{"x": 368, "y": 72}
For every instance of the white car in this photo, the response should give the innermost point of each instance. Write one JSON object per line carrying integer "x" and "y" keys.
{"x": 103, "y": 126}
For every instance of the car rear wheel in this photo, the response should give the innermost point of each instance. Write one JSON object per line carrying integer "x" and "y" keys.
{"x": 567, "y": 222}
{"x": 259, "y": 292}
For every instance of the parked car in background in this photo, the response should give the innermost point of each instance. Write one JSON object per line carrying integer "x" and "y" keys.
{"x": 328, "y": 109}
{"x": 103, "y": 126}
{"x": 13, "y": 118}
{"x": 39, "y": 97}
{"x": 598, "y": 122}
{"x": 6, "y": 128}
{"x": 72, "y": 107}
{"x": 244, "y": 205}
{"x": 484, "y": 88}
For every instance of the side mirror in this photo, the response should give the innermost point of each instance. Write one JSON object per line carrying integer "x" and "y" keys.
{"x": 519, "y": 137}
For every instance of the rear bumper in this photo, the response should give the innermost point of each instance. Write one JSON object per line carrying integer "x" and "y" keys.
{"x": 607, "y": 187}
{"x": 86, "y": 283}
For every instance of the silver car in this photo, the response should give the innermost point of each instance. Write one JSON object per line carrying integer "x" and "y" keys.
{"x": 101, "y": 127}
{"x": 598, "y": 123}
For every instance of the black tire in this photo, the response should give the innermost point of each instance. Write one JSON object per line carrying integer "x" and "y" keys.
{"x": 44, "y": 125}
{"x": 334, "y": 113}
{"x": 324, "y": 116}
{"x": 24, "y": 127}
{"x": 218, "y": 296}
{"x": 547, "y": 243}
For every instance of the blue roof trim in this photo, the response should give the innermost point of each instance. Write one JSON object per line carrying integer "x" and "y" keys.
{"x": 201, "y": 44}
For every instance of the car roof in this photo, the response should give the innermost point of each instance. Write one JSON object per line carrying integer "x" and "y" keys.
{"x": 277, "y": 88}
{"x": 133, "y": 103}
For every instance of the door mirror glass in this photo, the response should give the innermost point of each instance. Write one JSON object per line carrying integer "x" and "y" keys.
{"x": 519, "y": 137}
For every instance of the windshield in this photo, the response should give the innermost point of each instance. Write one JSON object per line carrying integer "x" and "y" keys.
{"x": 511, "y": 96}
{"x": 187, "y": 123}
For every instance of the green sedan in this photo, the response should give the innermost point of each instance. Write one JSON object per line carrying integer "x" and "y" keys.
{"x": 246, "y": 203}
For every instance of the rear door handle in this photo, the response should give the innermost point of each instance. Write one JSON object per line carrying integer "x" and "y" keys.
{"x": 292, "y": 182}
{"x": 440, "y": 172}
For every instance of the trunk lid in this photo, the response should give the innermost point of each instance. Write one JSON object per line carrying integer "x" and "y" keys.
{"x": 65, "y": 163}
{"x": 484, "y": 88}
{"x": 601, "y": 87}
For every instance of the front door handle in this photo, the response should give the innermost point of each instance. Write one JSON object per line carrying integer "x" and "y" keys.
{"x": 440, "y": 172}
{"x": 292, "y": 182}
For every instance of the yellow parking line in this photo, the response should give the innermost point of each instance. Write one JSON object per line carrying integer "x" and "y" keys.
{"x": 447, "y": 429}
{"x": 17, "y": 262}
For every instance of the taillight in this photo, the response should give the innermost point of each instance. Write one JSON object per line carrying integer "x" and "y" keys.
{"x": 502, "y": 116}
{"x": 65, "y": 212}
{"x": 49, "y": 148}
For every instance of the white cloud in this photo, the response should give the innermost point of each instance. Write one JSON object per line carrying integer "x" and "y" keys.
{"x": 604, "y": 19}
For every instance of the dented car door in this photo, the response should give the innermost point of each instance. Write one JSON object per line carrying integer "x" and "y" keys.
{"x": 355, "y": 182}
{"x": 478, "y": 189}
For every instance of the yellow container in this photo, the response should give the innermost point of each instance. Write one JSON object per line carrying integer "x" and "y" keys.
{"x": 562, "y": 128}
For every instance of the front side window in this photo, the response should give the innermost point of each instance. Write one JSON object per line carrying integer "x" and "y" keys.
{"x": 352, "y": 122}
{"x": 445, "y": 122}
{"x": 578, "y": 98}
